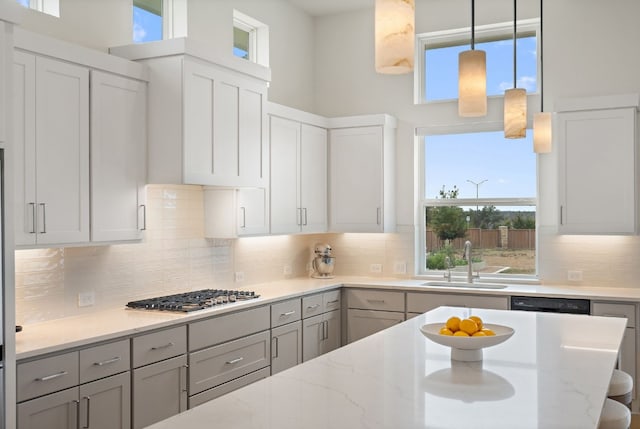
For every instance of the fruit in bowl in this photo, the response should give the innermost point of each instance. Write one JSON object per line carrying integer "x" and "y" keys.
{"x": 469, "y": 327}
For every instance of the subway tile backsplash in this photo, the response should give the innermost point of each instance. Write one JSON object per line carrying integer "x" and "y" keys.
{"x": 175, "y": 257}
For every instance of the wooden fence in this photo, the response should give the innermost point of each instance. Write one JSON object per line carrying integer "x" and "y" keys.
{"x": 505, "y": 238}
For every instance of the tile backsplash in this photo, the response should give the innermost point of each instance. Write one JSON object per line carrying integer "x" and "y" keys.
{"x": 175, "y": 257}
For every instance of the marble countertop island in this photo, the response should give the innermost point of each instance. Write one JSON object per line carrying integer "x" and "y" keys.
{"x": 552, "y": 373}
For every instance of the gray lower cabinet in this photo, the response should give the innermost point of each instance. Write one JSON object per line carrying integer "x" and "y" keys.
{"x": 55, "y": 411}
{"x": 159, "y": 391}
{"x": 320, "y": 334}
{"x": 362, "y": 323}
{"x": 286, "y": 346}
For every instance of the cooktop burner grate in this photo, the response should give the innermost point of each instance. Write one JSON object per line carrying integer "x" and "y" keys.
{"x": 193, "y": 301}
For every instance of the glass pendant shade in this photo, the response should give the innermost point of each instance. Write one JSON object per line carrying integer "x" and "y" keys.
{"x": 515, "y": 113}
{"x": 472, "y": 83}
{"x": 394, "y": 36}
{"x": 542, "y": 132}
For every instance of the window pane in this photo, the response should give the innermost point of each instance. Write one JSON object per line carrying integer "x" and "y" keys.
{"x": 24, "y": 3}
{"x": 501, "y": 168}
{"x": 503, "y": 239}
{"x": 147, "y": 26}
{"x": 441, "y": 65}
{"x": 241, "y": 43}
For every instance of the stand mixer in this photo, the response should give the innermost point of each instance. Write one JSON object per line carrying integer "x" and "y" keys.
{"x": 323, "y": 262}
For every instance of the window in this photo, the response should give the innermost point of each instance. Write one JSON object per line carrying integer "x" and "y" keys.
{"x": 50, "y": 7}
{"x": 440, "y": 60}
{"x": 250, "y": 39}
{"x": 476, "y": 185}
{"x": 147, "y": 20}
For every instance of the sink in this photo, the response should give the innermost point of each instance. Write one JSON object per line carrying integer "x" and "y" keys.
{"x": 466, "y": 285}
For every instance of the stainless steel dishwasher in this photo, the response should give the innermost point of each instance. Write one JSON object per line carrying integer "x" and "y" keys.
{"x": 551, "y": 305}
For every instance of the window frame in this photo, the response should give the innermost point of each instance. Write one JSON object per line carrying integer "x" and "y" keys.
{"x": 50, "y": 7}
{"x": 258, "y": 37}
{"x": 462, "y": 36}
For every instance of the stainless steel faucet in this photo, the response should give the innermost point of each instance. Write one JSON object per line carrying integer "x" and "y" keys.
{"x": 447, "y": 263}
{"x": 467, "y": 257}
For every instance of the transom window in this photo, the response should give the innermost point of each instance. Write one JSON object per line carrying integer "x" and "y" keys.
{"x": 250, "y": 39}
{"x": 147, "y": 20}
{"x": 50, "y": 7}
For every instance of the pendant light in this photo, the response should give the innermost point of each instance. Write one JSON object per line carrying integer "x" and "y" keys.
{"x": 472, "y": 78}
{"x": 394, "y": 36}
{"x": 542, "y": 121}
{"x": 515, "y": 99}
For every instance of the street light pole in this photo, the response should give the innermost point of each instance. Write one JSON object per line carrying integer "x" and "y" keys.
{"x": 477, "y": 188}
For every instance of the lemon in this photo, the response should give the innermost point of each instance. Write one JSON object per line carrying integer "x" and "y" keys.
{"x": 460, "y": 334}
{"x": 488, "y": 332}
{"x": 477, "y": 320}
{"x": 479, "y": 334}
{"x": 445, "y": 331}
{"x": 453, "y": 323}
{"x": 469, "y": 326}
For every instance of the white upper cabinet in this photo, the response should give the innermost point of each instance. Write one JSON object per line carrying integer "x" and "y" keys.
{"x": 362, "y": 176}
{"x": 233, "y": 213}
{"x": 298, "y": 177}
{"x": 51, "y": 100}
{"x": 118, "y": 157}
{"x": 598, "y": 167}
{"x": 206, "y": 116}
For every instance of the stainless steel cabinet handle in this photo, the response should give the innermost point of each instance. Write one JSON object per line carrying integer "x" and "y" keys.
{"x": 313, "y": 307}
{"x": 44, "y": 218}
{"x": 378, "y": 215}
{"x": 88, "y": 398}
{"x": 236, "y": 360}
{"x": 560, "y": 215}
{"x": 244, "y": 217}
{"x": 298, "y": 216}
{"x": 183, "y": 378}
{"x": 107, "y": 362}
{"x": 77, "y": 402}
{"x": 305, "y": 216}
{"x": 376, "y": 300}
{"x": 33, "y": 218}
{"x": 274, "y": 348}
{"x": 144, "y": 217}
{"x": 162, "y": 347}
{"x": 326, "y": 330}
{"x": 335, "y": 301}
{"x": 52, "y": 376}
{"x": 287, "y": 314}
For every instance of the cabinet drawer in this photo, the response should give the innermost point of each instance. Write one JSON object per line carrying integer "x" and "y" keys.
{"x": 158, "y": 346}
{"x": 225, "y": 328}
{"x": 216, "y": 365}
{"x": 285, "y": 312}
{"x": 423, "y": 302}
{"x": 103, "y": 361}
{"x": 312, "y": 305}
{"x": 615, "y": 310}
{"x": 225, "y": 388}
{"x": 331, "y": 300}
{"x": 375, "y": 300}
{"x": 39, "y": 377}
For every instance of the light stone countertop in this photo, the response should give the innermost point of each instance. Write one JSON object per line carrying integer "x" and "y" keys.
{"x": 57, "y": 335}
{"x": 552, "y": 373}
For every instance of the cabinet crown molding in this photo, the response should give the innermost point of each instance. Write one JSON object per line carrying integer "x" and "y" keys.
{"x": 574, "y": 104}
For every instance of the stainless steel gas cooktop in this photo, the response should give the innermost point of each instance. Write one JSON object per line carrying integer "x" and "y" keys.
{"x": 192, "y": 301}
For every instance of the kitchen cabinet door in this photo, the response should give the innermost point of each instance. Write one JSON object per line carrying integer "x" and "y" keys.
{"x": 362, "y": 323}
{"x": 118, "y": 157}
{"x": 54, "y": 411}
{"x": 284, "y": 146}
{"x": 286, "y": 346}
{"x": 332, "y": 331}
{"x": 312, "y": 333}
{"x": 159, "y": 391}
{"x": 252, "y": 212}
{"x": 361, "y": 180}
{"x": 106, "y": 403}
{"x": 598, "y": 178}
{"x": 224, "y": 142}
{"x": 62, "y": 152}
{"x": 313, "y": 179}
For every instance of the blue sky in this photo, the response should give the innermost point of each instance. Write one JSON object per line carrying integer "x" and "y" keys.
{"x": 508, "y": 165}
{"x": 147, "y": 26}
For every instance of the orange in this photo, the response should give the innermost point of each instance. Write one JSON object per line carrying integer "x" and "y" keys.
{"x": 460, "y": 334}
{"x": 479, "y": 334}
{"x": 477, "y": 320}
{"x": 488, "y": 332}
{"x": 445, "y": 331}
{"x": 469, "y": 326}
{"x": 453, "y": 323}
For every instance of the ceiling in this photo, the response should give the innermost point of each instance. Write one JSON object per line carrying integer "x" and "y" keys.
{"x": 328, "y": 7}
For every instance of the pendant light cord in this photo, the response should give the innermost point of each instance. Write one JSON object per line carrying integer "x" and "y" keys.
{"x": 541, "y": 64}
{"x": 515, "y": 42}
{"x": 473, "y": 24}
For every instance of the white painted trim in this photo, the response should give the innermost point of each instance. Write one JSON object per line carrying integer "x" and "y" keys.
{"x": 194, "y": 48}
{"x": 11, "y": 11}
{"x": 259, "y": 37}
{"x": 47, "y": 46}
{"x": 174, "y": 19}
{"x": 599, "y": 102}
{"x": 364, "y": 121}
{"x": 463, "y": 202}
{"x": 286, "y": 112}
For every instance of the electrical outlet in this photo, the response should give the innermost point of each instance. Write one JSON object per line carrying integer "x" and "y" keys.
{"x": 86, "y": 299}
{"x": 375, "y": 268}
{"x": 287, "y": 271}
{"x": 574, "y": 276}
{"x": 400, "y": 267}
{"x": 239, "y": 276}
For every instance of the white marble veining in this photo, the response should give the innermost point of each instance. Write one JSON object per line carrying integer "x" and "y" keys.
{"x": 56, "y": 335}
{"x": 552, "y": 373}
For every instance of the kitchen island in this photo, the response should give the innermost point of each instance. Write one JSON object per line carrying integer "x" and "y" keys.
{"x": 552, "y": 373}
